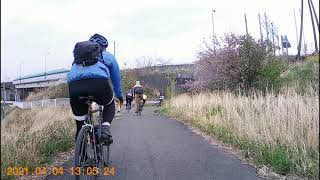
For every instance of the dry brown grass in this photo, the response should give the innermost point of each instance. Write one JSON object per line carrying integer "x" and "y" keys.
{"x": 287, "y": 119}
{"x": 284, "y": 119}
{"x": 25, "y": 135}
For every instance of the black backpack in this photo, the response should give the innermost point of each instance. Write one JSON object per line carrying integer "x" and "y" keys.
{"x": 87, "y": 53}
{"x": 138, "y": 90}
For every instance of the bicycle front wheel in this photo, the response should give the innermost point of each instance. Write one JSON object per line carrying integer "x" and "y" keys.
{"x": 106, "y": 155}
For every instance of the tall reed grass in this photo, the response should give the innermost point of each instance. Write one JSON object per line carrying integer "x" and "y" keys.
{"x": 30, "y": 138}
{"x": 281, "y": 130}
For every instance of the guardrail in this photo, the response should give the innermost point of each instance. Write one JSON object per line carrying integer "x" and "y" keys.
{"x": 61, "y": 102}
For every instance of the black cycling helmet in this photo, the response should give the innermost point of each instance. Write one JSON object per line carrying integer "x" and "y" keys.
{"x": 100, "y": 40}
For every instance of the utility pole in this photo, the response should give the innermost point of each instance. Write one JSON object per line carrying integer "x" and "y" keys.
{"x": 313, "y": 28}
{"x": 272, "y": 31}
{"x": 45, "y": 66}
{"x": 305, "y": 47}
{"x": 278, "y": 44}
{"x": 295, "y": 23}
{"x": 261, "y": 35}
{"x": 245, "y": 19}
{"x": 267, "y": 28}
{"x": 213, "y": 35}
{"x": 20, "y": 72}
{"x": 282, "y": 45}
{"x": 301, "y": 28}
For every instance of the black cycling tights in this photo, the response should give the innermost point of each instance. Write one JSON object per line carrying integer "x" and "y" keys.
{"x": 128, "y": 103}
{"x": 98, "y": 88}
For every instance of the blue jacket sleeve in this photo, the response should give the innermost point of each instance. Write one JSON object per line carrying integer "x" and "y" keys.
{"x": 115, "y": 75}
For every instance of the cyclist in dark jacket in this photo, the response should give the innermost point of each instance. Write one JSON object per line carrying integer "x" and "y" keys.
{"x": 94, "y": 80}
{"x": 129, "y": 99}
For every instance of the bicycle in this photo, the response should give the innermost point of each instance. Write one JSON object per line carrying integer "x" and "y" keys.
{"x": 89, "y": 152}
{"x": 128, "y": 106}
{"x": 160, "y": 101}
{"x": 140, "y": 107}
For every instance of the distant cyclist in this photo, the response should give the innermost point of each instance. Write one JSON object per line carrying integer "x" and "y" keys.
{"x": 137, "y": 94}
{"x": 90, "y": 75}
{"x": 129, "y": 98}
{"x": 161, "y": 98}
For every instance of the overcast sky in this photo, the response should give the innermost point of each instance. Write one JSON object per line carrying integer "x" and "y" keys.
{"x": 34, "y": 29}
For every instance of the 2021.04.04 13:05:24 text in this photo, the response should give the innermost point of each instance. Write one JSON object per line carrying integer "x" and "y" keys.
{"x": 59, "y": 171}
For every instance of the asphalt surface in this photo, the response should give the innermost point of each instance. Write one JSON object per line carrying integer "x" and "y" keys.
{"x": 151, "y": 147}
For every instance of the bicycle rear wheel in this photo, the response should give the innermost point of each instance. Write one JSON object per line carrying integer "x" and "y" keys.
{"x": 139, "y": 109}
{"x": 127, "y": 107}
{"x": 82, "y": 157}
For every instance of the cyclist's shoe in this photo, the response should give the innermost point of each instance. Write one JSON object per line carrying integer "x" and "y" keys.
{"x": 106, "y": 135}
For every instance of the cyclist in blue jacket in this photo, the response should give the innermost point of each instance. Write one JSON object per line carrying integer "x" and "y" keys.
{"x": 94, "y": 80}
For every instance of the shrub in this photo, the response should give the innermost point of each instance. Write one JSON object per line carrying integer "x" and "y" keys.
{"x": 305, "y": 74}
{"x": 235, "y": 64}
{"x": 151, "y": 93}
{"x": 172, "y": 82}
{"x": 128, "y": 79}
{"x": 268, "y": 78}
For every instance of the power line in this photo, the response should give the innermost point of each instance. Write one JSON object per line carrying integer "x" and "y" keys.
{"x": 313, "y": 28}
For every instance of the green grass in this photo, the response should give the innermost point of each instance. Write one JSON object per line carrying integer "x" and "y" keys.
{"x": 53, "y": 145}
{"x": 163, "y": 110}
{"x": 212, "y": 111}
{"x": 304, "y": 74}
{"x": 281, "y": 158}
{"x": 277, "y": 157}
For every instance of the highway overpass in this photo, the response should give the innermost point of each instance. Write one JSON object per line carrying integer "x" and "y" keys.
{"x": 25, "y": 84}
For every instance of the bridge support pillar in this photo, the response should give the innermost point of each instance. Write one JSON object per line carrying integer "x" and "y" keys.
{"x": 18, "y": 94}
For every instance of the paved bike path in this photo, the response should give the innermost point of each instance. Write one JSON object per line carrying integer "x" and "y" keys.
{"x": 151, "y": 147}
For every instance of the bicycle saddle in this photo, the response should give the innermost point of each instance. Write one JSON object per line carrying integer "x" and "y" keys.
{"x": 87, "y": 98}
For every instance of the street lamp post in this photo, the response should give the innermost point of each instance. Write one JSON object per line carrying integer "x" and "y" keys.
{"x": 45, "y": 64}
{"x": 213, "y": 35}
{"x": 20, "y": 72}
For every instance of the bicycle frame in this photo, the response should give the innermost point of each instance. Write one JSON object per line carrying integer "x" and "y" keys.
{"x": 90, "y": 124}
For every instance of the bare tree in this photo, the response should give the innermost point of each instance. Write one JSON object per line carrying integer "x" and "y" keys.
{"x": 147, "y": 64}
{"x": 149, "y": 61}
{"x": 145, "y": 61}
